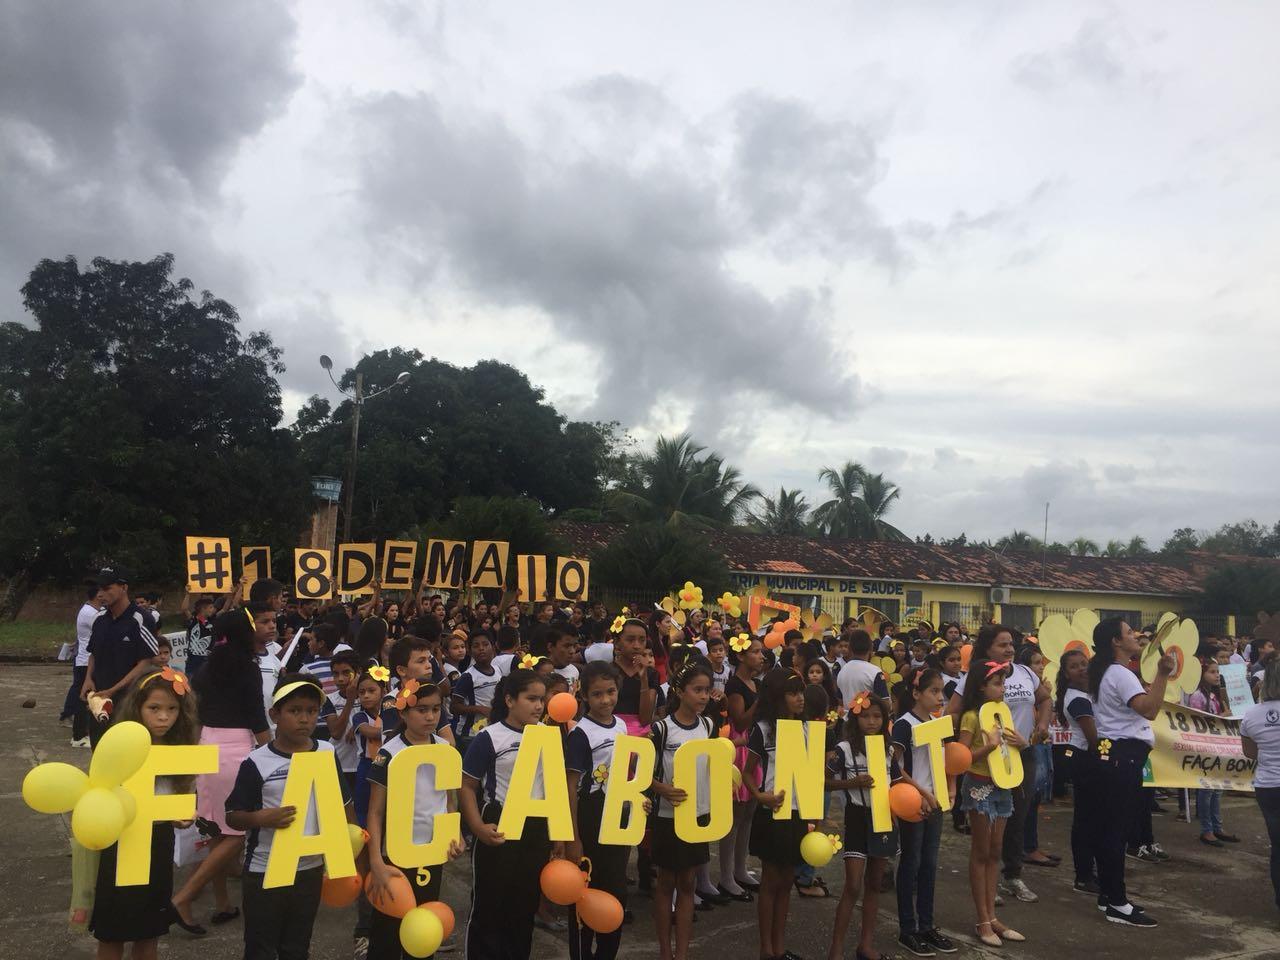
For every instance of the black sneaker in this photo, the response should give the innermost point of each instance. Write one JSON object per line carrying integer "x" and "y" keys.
{"x": 934, "y": 938}
{"x": 1102, "y": 902}
{"x": 1134, "y": 918}
{"x": 1087, "y": 886}
{"x": 916, "y": 944}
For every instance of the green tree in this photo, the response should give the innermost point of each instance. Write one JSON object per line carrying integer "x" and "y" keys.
{"x": 841, "y": 516}
{"x": 481, "y": 431}
{"x": 1083, "y": 547}
{"x": 678, "y": 482}
{"x": 1114, "y": 548}
{"x": 1242, "y": 588}
{"x": 132, "y": 413}
{"x": 520, "y": 522}
{"x": 1182, "y": 540}
{"x": 658, "y": 557}
{"x": 878, "y": 495}
{"x": 785, "y": 515}
{"x": 1245, "y": 539}
{"x": 1137, "y": 547}
{"x": 1018, "y": 540}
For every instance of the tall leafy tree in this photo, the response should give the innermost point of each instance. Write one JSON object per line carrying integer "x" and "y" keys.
{"x": 784, "y": 515}
{"x": 859, "y": 501}
{"x": 878, "y": 495}
{"x": 1137, "y": 547}
{"x": 134, "y": 412}
{"x": 1114, "y": 548}
{"x": 679, "y": 482}
{"x": 659, "y": 556}
{"x": 1083, "y": 547}
{"x": 481, "y": 431}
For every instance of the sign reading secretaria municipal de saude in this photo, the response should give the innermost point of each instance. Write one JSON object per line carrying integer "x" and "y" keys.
{"x": 788, "y": 584}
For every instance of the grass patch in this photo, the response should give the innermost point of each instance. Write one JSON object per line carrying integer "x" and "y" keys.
{"x": 39, "y": 638}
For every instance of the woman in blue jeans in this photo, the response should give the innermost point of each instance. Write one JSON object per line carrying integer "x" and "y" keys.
{"x": 1260, "y": 735}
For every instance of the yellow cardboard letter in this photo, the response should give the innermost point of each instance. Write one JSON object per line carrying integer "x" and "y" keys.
{"x": 573, "y": 577}
{"x": 878, "y": 767}
{"x": 398, "y": 559}
{"x": 489, "y": 563}
{"x": 320, "y": 826}
{"x": 531, "y": 577}
{"x": 356, "y": 567}
{"x": 446, "y": 562}
{"x": 133, "y": 859}
{"x": 255, "y": 564}
{"x": 626, "y": 794}
{"x": 1005, "y": 762}
{"x": 541, "y": 757}
{"x": 718, "y": 761}
{"x": 801, "y": 767}
{"x": 425, "y": 766}
{"x": 932, "y": 734}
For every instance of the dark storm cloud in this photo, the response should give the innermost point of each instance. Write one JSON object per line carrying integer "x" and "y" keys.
{"x": 629, "y": 256}
{"x": 118, "y": 122}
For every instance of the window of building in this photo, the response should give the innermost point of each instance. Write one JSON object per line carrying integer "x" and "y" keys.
{"x": 1132, "y": 617}
{"x": 890, "y": 608}
{"x": 915, "y": 602}
{"x": 1020, "y": 616}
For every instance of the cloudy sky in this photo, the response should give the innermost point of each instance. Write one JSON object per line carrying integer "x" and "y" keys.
{"x": 1004, "y": 252}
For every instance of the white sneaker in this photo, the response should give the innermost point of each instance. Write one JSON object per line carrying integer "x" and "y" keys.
{"x": 82, "y": 742}
{"x": 1022, "y": 891}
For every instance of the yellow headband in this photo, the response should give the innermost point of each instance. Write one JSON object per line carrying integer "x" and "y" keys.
{"x": 289, "y": 688}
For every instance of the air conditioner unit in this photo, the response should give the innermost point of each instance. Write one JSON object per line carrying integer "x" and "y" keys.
{"x": 999, "y": 594}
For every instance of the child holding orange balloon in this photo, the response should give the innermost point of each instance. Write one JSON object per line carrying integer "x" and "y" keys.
{"x": 865, "y": 850}
{"x": 505, "y": 889}
{"x": 140, "y": 915}
{"x": 419, "y": 719}
{"x": 278, "y": 920}
{"x": 988, "y": 805}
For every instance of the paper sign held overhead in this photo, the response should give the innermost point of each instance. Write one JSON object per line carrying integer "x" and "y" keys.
{"x": 488, "y": 563}
{"x": 398, "y": 559}
{"x": 357, "y": 563}
{"x": 311, "y": 579}
{"x": 255, "y": 565}
{"x": 208, "y": 564}
{"x": 446, "y": 564}
{"x": 572, "y": 578}
{"x": 531, "y": 577}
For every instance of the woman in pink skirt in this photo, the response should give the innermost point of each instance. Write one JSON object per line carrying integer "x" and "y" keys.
{"x": 740, "y": 697}
{"x": 233, "y": 719}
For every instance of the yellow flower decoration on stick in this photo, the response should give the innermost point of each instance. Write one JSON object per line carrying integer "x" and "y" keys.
{"x": 1059, "y": 636}
{"x": 690, "y": 596}
{"x": 730, "y": 604}
{"x": 890, "y": 668}
{"x": 815, "y": 627}
{"x": 1181, "y": 638}
{"x": 741, "y": 643}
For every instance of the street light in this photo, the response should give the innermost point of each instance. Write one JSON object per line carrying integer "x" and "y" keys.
{"x": 358, "y": 398}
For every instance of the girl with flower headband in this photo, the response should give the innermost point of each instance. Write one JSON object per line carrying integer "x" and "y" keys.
{"x": 988, "y": 805}
{"x": 373, "y": 717}
{"x": 162, "y": 703}
{"x": 865, "y": 851}
{"x": 746, "y": 653}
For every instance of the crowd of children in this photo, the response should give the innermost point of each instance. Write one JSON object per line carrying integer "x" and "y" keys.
{"x": 366, "y": 681}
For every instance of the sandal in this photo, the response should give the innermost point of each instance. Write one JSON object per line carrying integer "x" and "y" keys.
{"x": 813, "y": 890}
{"x": 225, "y": 916}
{"x": 1007, "y": 933}
{"x": 989, "y": 938}
{"x": 195, "y": 929}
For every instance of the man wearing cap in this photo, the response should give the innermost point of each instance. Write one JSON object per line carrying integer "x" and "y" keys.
{"x": 121, "y": 645}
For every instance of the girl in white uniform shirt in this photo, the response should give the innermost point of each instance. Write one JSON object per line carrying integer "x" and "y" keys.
{"x": 1123, "y": 712}
{"x": 505, "y": 890}
{"x": 1030, "y": 705}
{"x": 419, "y": 720}
{"x": 1074, "y": 710}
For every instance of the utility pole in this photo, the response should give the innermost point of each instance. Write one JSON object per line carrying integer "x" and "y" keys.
{"x": 1044, "y": 544}
{"x": 358, "y": 400}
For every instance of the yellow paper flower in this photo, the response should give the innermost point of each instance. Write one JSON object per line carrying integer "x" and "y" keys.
{"x": 815, "y": 627}
{"x": 690, "y": 596}
{"x": 407, "y": 695}
{"x": 1181, "y": 638}
{"x": 1104, "y": 748}
{"x": 833, "y": 717}
{"x": 836, "y": 842}
{"x": 860, "y": 702}
{"x": 730, "y": 604}
{"x": 529, "y": 661}
{"x": 626, "y": 611}
{"x": 617, "y": 625}
{"x": 1058, "y": 635}
{"x": 480, "y": 724}
{"x": 741, "y": 643}
{"x": 381, "y": 674}
{"x": 600, "y": 774}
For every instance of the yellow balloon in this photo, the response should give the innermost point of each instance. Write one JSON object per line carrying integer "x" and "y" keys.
{"x": 120, "y": 754}
{"x": 98, "y": 819}
{"x": 816, "y": 849}
{"x": 736, "y": 776}
{"x": 53, "y": 787}
{"x": 127, "y": 803}
{"x": 358, "y": 838}
{"x": 421, "y": 932}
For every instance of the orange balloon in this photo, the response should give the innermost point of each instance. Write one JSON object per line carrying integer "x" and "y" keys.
{"x": 401, "y": 900}
{"x": 444, "y": 912}
{"x": 725, "y": 732}
{"x": 957, "y": 758}
{"x": 965, "y": 653}
{"x": 339, "y": 891}
{"x": 600, "y": 911}
{"x": 562, "y": 882}
{"x": 904, "y": 801}
{"x": 562, "y": 708}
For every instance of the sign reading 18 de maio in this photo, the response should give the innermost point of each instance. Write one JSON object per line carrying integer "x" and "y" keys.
{"x": 446, "y": 564}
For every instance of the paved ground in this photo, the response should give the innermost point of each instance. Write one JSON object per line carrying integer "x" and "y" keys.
{"x": 1210, "y": 904}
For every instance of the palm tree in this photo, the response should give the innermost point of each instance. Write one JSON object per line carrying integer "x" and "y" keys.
{"x": 1114, "y": 548}
{"x": 841, "y": 515}
{"x": 1083, "y": 547}
{"x": 788, "y": 515}
{"x": 1018, "y": 540}
{"x": 676, "y": 484}
{"x": 878, "y": 495}
{"x": 1137, "y": 548}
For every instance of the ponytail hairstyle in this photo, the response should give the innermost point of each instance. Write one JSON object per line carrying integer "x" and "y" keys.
{"x": 1061, "y": 686}
{"x": 920, "y": 681}
{"x": 979, "y": 673}
{"x": 1104, "y": 653}
{"x": 693, "y": 666}
{"x": 512, "y": 685}
{"x": 772, "y": 704}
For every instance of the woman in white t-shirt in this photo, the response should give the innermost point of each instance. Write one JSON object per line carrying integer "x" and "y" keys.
{"x": 1030, "y": 704}
{"x": 1122, "y": 711}
{"x": 1260, "y": 735}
